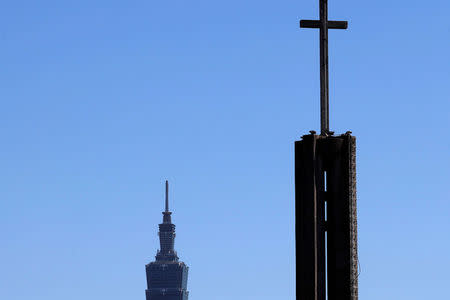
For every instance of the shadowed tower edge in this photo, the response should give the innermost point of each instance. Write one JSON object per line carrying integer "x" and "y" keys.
{"x": 325, "y": 197}
{"x": 167, "y": 276}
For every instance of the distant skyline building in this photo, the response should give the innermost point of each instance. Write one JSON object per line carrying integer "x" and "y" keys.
{"x": 167, "y": 277}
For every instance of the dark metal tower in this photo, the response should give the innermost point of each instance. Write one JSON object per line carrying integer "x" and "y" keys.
{"x": 325, "y": 197}
{"x": 167, "y": 277}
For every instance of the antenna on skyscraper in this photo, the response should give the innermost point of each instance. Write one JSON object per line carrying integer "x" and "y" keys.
{"x": 167, "y": 196}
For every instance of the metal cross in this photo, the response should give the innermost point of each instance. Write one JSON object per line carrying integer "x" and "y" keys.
{"x": 324, "y": 24}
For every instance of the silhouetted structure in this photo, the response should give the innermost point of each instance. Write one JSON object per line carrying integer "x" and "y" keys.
{"x": 325, "y": 191}
{"x": 167, "y": 277}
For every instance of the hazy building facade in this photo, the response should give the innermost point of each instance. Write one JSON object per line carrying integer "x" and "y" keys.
{"x": 167, "y": 276}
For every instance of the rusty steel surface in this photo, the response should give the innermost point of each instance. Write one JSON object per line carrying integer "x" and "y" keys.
{"x": 325, "y": 208}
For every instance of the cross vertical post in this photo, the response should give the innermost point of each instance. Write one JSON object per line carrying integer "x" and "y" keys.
{"x": 324, "y": 24}
{"x": 324, "y": 92}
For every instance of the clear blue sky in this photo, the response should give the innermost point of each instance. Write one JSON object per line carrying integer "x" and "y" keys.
{"x": 101, "y": 101}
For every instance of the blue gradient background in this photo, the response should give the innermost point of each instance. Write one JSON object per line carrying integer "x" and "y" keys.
{"x": 101, "y": 101}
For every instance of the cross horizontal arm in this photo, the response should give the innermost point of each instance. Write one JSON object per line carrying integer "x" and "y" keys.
{"x": 317, "y": 24}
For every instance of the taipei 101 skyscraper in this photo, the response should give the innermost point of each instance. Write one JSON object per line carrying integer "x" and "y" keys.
{"x": 167, "y": 277}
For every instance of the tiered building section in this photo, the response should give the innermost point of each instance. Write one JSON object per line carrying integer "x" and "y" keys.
{"x": 167, "y": 277}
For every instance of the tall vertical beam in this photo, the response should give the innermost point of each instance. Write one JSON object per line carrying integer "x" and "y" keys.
{"x": 310, "y": 231}
{"x": 342, "y": 255}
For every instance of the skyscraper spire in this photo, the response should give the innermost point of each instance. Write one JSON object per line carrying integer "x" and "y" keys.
{"x": 167, "y": 213}
{"x": 167, "y": 196}
{"x": 167, "y": 276}
{"x": 167, "y": 234}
